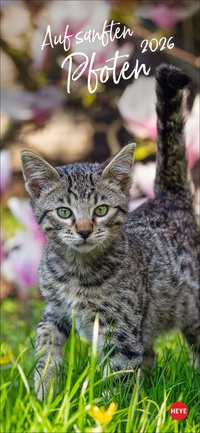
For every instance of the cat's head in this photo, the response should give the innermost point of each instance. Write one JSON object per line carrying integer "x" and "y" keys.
{"x": 80, "y": 205}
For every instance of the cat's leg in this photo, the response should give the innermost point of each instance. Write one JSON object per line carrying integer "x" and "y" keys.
{"x": 124, "y": 357}
{"x": 51, "y": 335}
{"x": 149, "y": 358}
{"x": 192, "y": 335}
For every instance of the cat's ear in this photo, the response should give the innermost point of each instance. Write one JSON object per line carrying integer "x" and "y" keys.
{"x": 37, "y": 173}
{"x": 120, "y": 168}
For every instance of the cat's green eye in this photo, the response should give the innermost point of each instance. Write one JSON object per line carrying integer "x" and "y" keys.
{"x": 64, "y": 212}
{"x": 100, "y": 211}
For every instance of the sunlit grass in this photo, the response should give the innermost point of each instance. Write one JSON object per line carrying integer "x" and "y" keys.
{"x": 85, "y": 401}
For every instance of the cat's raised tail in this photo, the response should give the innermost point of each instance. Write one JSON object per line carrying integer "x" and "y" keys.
{"x": 172, "y": 170}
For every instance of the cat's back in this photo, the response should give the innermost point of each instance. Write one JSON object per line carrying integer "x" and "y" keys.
{"x": 164, "y": 229}
{"x": 163, "y": 215}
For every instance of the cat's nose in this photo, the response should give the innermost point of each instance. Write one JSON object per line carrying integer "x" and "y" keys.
{"x": 84, "y": 233}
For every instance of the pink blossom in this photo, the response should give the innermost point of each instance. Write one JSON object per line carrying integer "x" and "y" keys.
{"x": 78, "y": 16}
{"x": 144, "y": 176}
{"x": 37, "y": 106}
{"x": 23, "y": 213}
{"x": 165, "y": 15}
{"x": 143, "y": 182}
{"x": 22, "y": 261}
{"x": 137, "y": 107}
{"x": 82, "y": 20}
{"x": 6, "y": 173}
{"x": 96, "y": 18}
{"x": 24, "y": 250}
{"x": 82, "y": 15}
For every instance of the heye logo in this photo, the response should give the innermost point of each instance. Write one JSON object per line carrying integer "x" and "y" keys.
{"x": 178, "y": 411}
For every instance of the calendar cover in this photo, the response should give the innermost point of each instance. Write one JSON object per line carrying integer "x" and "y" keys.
{"x": 100, "y": 214}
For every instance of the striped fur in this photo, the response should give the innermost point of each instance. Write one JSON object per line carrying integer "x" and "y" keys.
{"x": 138, "y": 271}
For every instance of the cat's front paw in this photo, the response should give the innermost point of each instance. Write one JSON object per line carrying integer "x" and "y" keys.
{"x": 43, "y": 383}
{"x": 46, "y": 381}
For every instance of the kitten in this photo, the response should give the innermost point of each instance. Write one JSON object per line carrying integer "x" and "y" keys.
{"x": 138, "y": 270}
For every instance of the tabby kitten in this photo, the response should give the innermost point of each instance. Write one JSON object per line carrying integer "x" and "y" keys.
{"x": 138, "y": 270}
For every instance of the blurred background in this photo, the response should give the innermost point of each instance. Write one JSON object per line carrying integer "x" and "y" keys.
{"x": 38, "y": 114}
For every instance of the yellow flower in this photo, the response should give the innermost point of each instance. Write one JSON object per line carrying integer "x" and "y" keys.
{"x": 102, "y": 415}
{"x": 5, "y": 359}
{"x": 144, "y": 149}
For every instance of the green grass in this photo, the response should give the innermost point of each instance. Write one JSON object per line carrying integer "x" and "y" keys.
{"x": 141, "y": 409}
